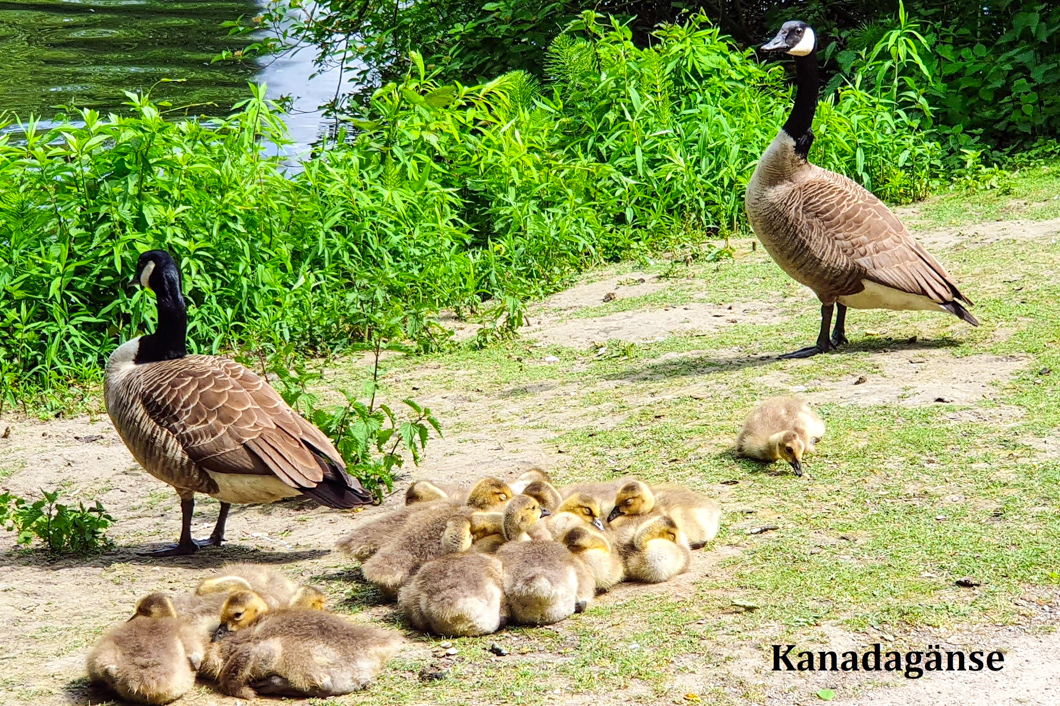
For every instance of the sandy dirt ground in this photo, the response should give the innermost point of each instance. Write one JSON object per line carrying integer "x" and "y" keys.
{"x": 52, "y": 610}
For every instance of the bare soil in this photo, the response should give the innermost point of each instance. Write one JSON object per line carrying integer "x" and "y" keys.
{"x": 53, "y": 610}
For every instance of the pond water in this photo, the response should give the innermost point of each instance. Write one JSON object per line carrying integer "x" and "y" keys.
{"x": 86, "y": 53}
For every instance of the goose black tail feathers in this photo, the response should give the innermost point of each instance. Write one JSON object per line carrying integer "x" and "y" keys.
{"x": 958, "y": 310}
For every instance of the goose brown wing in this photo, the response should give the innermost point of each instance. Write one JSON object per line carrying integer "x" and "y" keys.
{"x": 229, "y": 420}
{"x": 866, "y": 232}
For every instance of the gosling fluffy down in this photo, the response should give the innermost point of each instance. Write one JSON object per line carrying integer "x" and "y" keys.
{"x": 780, "y": 428}
{"x": 293, "y": 652}
{"x": 456, "y": 595}
{"x": 653, "y": 551}
{"x": 275, "y": 589}
{"x": 420, "y": 539}
{"x": 697, "y": 515}
{"x": 544, "y": 583}
{"x": 153, "y": 657}
{"x": 594, "y": 548}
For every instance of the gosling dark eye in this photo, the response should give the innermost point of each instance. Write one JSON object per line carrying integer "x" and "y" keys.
{"x": 502, "y": 496}
{"x": 237, "y": 616}
{"x": 629, "y": 502}
{"x": 673, "y": 537}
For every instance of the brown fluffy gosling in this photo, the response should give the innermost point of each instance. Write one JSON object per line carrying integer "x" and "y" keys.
{"x": 697, "y": 515}
{"x": 420, "y": 539}
{"x": 293, "y": 652}
{"x": 544, "y": 582}
{"x": 654, "y": 552}
{"x": 780, "y": 428}
{"x": 368, "y": 538}
{"x": 593, "y": 547}
{"x": 152, "y": 658}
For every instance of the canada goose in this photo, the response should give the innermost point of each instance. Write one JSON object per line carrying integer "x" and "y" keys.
{"x": 206, "y": 424}
{"x": 594, "y": 548}
{"x": 151, "y": 658}
{"x": 293, "y": 652}
{"x": 518, "y": 523}
{"x": 654, "y": 551}
{"x": 544, "y": 582}
{"x": 534, "y": 475}
{"x": 601, "y": 491}
{"x": 780, "y": 428}
{"x": 544, "y": 493}
{"x": 456, "y": 595}
{"x": 697, "y": 515}
{"x": 584, "y": 506}
{"x": 424, "y": 491}
{"x": 828, "y": 232}
{"x": 365, "y": 540}
{"x": 420, "y": 538}
{"x": 276, "y": 589}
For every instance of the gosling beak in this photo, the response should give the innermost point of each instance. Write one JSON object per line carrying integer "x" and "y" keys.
{"x": 616, "y": 512}
{"x": 598, "y": 524}
{"x": 797, "y": 465}
{"x": 545, "y": 512}
{"x": 776, "y": 43}
{"x": 220, "y": 632}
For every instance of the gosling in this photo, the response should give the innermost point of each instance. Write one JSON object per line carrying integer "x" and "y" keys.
{"x": 293, "y": 652}
{"x": 420, "y": 540}
{"x": 655, "y": 551}
{"x": 366, "y": 540}
{"x": 544, "y": 582}
{"x": 153, "y": 657}
{"x": 276, "y": 589}
{"x": 780, "y": 428}
{"x": 697, "y": 515}
{"x": 593, "y": 548}
{"x": 458, "y": 594}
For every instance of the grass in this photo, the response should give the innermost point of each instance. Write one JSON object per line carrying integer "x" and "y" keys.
{"x": 1031, "y": 192}
{"x": 902, "y": 501}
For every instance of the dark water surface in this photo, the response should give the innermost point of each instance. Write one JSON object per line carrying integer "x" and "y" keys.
{"x": 87, "y": 53}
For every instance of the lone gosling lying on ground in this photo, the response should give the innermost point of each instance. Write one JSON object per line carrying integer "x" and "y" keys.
{"x": 780, "y": 428}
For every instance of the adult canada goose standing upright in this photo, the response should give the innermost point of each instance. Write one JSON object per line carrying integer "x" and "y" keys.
{"x": 206, "y": 424}
{"x": 829, "y": 233}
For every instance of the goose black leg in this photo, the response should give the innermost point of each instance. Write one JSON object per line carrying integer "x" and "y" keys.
{"x": 823, "y": 343}
{"x": 186, "y": 545}
{"x": 218, "y": 534}
{"x": 839, "y": 334}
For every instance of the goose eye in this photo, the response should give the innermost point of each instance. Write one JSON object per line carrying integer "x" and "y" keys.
{"x": 237, "y": 616}
{"x": 629, "y": 501}
{"x": 587, "y": 511}
{"x": 502, "y": 496}
{"x": 672, "y": 536}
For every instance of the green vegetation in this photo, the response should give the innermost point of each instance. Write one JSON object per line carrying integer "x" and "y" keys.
{"x": 443, "y": 196}
{"x": 61, "y": 528}
{"x": 991, "y": 70}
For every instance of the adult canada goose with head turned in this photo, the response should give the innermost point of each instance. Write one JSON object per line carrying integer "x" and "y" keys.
{"x": 206, "y": 424}
{"x": 829, "y": 233}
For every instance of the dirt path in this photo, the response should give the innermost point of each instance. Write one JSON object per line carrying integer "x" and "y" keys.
{"x": 52, "y": 610}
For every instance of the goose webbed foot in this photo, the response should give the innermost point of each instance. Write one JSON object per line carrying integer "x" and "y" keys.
{"x": 824, "y": 343}
{"x": 181, "y": 548}
{"x": 807, "y": 352}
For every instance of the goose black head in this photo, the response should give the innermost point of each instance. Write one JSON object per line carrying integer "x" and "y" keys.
{"x": 795, "y": 38}
{"x": 157, "y": 271}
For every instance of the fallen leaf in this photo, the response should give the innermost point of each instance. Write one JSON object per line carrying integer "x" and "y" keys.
{"x": 825, "y": 694}
{"x": 968, "y": 582}
{"x": 861, "y": 380}
{"x": 764, "y": 528}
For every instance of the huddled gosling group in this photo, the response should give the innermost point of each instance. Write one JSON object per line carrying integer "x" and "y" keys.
{"x": 250, "y": 630}
{"x": 469, "y": 561}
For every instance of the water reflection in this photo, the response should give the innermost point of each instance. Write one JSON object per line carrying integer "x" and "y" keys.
{"x": 86, "y": 53}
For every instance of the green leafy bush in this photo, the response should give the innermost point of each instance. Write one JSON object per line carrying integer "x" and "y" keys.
{"x": 61, "y": 528}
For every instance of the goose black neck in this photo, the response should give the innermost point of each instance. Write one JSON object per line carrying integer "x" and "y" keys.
{"x": 801, "y": 119}
{"x": 169, "y": 341}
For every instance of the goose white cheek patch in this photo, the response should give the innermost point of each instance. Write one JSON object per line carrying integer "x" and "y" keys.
{"x": 146, "y": 275}
{"x": 805, "y": 45}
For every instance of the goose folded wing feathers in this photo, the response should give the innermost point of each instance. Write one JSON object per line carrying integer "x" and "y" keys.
{"x": 865, "y": 231}
{"x": 228, "y": 420}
